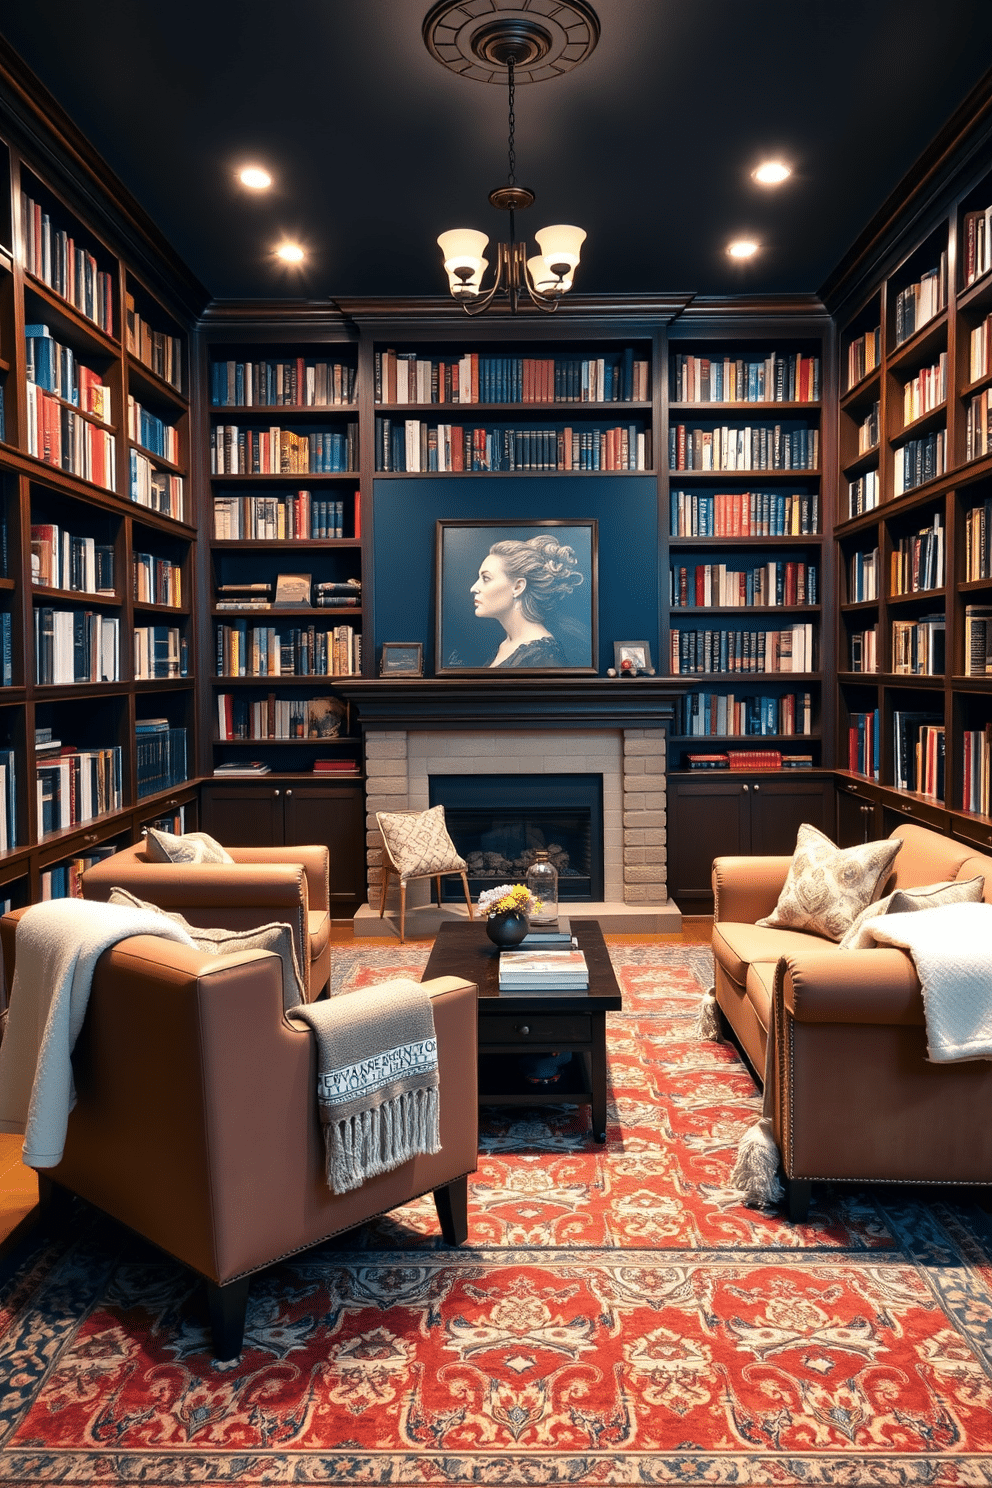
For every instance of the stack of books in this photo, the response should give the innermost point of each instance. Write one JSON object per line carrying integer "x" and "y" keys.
{"x": 556, "y": 935}
{"x": 335, "y": 767}
{"x": 543, "y": 971}
{"x": 243, "y": 767}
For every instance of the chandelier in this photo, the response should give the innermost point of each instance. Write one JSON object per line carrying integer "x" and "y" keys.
{"x": 500, "y": 38}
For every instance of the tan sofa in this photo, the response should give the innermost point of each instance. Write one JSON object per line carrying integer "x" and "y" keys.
{"x": 854, "y": 1096}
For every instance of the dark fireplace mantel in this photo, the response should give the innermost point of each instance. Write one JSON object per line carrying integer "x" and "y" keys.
{"x": 510, "y": 702}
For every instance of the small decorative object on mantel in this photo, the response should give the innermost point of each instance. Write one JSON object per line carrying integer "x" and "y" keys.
{"x": 631, "y": 659}
{"x": 402, "y": 659}
{"x": 506, "y": 909}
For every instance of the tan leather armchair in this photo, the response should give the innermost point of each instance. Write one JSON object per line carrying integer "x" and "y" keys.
{"x": 196, "y": 1121}
{"x": 289, "y": 884}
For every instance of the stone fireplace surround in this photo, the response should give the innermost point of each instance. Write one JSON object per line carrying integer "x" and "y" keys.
{"x": 418, "y": 728}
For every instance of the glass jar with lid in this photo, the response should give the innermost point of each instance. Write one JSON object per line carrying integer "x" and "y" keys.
{"x": 542, "y": 880}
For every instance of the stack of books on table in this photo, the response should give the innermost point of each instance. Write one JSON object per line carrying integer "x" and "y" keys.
{"x": 554, "y": 936}
{"x": 543, "y": 971}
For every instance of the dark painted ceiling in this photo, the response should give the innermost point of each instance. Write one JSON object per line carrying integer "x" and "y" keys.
{"x": 376, "y": 148}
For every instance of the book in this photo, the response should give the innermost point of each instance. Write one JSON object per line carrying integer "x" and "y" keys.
{"x": 559, "y": 969}
{"x": 549, "y": 937}
{"x": 335, "y": 767}
{"x": 243, "y": 767}
{"x": 293, "y": 590}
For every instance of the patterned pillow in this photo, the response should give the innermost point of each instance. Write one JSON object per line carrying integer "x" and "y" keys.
{"x": 904, "y": 901}
{"x": 827, "y": 886}
{"x": 418, "y": 842}
{"x": 273, "y": 937}
{"x": 193, "y": 847}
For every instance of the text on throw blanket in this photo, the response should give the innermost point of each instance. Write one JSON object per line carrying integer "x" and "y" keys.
{"x": 372, "y": 1074}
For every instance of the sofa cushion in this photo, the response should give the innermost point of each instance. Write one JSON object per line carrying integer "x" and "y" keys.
{"x": 905, "y": 901}
{"x": 736, "y": 945}
{"x": 191, "y": 847}
{"x": 926, "y": 857}
{"x": 759, "y": 990}
{"x": 273, "y": 937}
{"x": 827, "y": 886}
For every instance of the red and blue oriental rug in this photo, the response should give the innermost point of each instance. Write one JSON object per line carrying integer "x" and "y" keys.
{"x": 616, "y": 1317}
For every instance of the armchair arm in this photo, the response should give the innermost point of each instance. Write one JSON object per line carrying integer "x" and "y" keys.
{"x": 876, "y": 986}
{"x": 747, "y": 889}
{"x": 315, "y": 860}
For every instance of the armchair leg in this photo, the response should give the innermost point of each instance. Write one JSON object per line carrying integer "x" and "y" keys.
{"x": 451, "y": 1203}
{"x": 402, "y": 911}
{"x": 54, "y": 1202}
{"x": 798, "y": 1192}
{"x": 385, "y": 886}
{"x": 228, "y": 1307}
{"x": 468, "y": 896}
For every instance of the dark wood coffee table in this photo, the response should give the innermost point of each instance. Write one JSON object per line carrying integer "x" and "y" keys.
{"x": 538, "y": 1023}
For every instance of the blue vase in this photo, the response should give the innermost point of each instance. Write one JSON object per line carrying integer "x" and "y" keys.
{"x": 507, "y": 930}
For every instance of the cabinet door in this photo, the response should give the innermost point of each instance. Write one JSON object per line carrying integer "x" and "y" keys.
{"x": 707, "y": 819}
{"x": 243, "y": 815}
{"x": 779, "y": 807}
{"x": 333, "y": 814}
{"x": 855, "y": 818}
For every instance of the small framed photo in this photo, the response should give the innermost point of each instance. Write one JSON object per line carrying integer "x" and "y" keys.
{"x": 293, "y": 590}
{"x": 401, "y": 659}
{"x": 631, "y": 658}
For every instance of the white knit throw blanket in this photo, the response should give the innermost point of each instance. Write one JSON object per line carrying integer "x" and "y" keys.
{"x": 952, "y": 948}
{"x": 377, "y": 1079}
{"x": 58, "y": 946}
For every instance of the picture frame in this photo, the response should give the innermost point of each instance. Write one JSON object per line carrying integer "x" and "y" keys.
{"x": 292, "y": 591}
{"x": 631, "y": 658}
{"x": 530, "y": 608}
{"x": 401, "y": 659}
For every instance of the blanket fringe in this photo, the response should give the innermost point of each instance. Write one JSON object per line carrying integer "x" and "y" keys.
{"x": 376, "y": 1141}
{"x": 707, "y": 1025}
{"x": 755, "y": 1174}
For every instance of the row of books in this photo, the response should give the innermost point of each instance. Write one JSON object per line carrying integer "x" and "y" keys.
{"x": 8, "y": 801}
{"x": 159, "y": 490}
{"x": 976, "y": 754}
{"x": 751, "y": 759}
{"x": 863, "y": 583}
{"x": 159, "y": 652}
{"x": 6, "y": 650}
{"x": 978, "y": 541}
{"x": 726, "y": 715}
{"x": 77, "y": 785}
{"x": 272, "y": 717}
{"x": 151, "y": 432}
{"x": 864, "y": 354}
{"x": 926, "y": 391}
{"x": 863, "y": 743}
{"x": 157, "y": 580}
{"x": 978, "y": 426}
{"x": 918, "y": 647}
{"x": 403, "y": 377}
{"x": 61, "y": 560}
{"x": 160, "y": 756}
{"x": 918, "y": 752}
{"x": 788, "y": 650}
{"x": 275, "y": 451}
{"x": 917, "y": 561}
{"x": 75, "y": 646}
{"x": 55, "y": 368}
{"x": 978, "y": 640}
{"x": 863, "y": 493}
{"x": 295, "y": 382}
{"x": 300, "y": 651}
{"x": 919, "y": 461}
{"x": 792, "y": 378}
{"x": 50, "y": 254}
{"x": 921, "y": 301}
{"x": 64, "y": 880}
{"x": 744, "y": 514}
{"x": 765, "y": 584}
{"x": 977, "y": 246}
{"x": 979, "y": 363}
{"x": 62, "y": 437}
{"x": 293, "y": 517}
{"x": 864, "y": 650}
{"x": 159, "y": 350}
{"x": 414, "y": 446}
{"x": 765, "y": 447}
{"x": 868, "y": 430}
{"x": 291, "y": 590}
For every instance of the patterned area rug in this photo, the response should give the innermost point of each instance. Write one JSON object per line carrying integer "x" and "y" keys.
{"x": 616, "y": 1316}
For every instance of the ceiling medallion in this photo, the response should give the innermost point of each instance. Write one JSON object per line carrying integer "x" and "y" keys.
{"x": 543, "y": 38}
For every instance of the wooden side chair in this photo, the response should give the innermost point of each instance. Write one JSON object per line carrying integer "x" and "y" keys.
{"x": 416, "y": 845}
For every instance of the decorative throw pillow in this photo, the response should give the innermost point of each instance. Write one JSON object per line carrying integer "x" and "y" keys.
{"x": 192, "y": 847}
{"x": 418, "y": 842}
{"x": 273, "y": 937}
{"x": 904, "y": 901}
{"x": 827, "y": 887}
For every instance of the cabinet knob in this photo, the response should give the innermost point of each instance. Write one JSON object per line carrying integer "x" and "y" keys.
{"x": 745, "y": 788}
{"x": 524, "y": 1028}
{"x": 757, "y": 788}
{"x": 907, "y": 808}
{"x": 277, "y": 793}
{"x": 289, "y": 793}
{"x": 90, "y": 837}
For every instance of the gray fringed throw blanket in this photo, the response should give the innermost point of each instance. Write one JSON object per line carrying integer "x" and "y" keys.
{"x": 755, "y": 1174}
{"x": 377, "y": 1079}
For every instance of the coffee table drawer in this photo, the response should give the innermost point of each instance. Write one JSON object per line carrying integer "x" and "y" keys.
{"x": 523, "y": 1028}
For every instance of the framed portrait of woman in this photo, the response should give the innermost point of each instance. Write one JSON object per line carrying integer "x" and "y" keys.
{"x": 516, "y": 595}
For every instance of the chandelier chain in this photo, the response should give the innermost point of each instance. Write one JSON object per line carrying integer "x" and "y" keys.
{"x": 511, "y": 93}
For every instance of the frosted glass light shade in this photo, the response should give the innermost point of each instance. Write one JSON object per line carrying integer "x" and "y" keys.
{"x": 561, "y": 244}
{"x": 462, "y": 248}
{"x": 471, "y": 286}
{"x": 542, "y": 278}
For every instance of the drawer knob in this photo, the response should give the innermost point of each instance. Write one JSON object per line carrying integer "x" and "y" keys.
{"x": 524, "y": 1028}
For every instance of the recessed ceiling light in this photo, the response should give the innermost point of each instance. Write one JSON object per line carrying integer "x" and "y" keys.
{"x": 772, "y": 173}
{"x": 743, "y": 248}
{"x": 255, "y": 177}
{"x": 290, "y": 253}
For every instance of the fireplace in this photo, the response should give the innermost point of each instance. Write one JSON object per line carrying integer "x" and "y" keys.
{"x": 499, "y": 822}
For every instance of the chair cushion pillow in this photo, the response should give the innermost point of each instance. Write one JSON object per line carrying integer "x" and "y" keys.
{"x": 904, "y": 901}
{"x": 418, "y": 842}
{"x": 827, "y": 887}
{"x": 191, "y": 847}
{"x": 273, "y": 937}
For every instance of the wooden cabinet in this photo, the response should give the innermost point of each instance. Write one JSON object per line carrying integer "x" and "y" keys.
{"x": 736, "y": 815}
{"x": 282, "y": 810}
